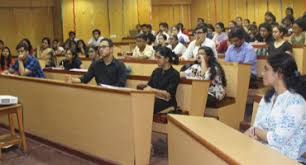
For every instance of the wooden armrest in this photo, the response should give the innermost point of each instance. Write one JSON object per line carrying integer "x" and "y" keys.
{"x": 162, "y": 117}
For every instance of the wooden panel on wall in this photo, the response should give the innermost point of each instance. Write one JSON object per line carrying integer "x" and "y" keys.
{"x": 26, "y": 21}
{"x": 85, "y": 20}
{"x": 172, "y": 12}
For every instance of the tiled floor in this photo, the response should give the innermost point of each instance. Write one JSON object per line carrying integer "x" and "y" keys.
{"x": 40, "y": 154}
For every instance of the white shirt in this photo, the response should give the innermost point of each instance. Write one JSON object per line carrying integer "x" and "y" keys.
{"x": 192, "y": 50}
{"x": 92, "y": 41}
{"x": 179, "y": 49}
{"x": 183, "y": 37}
{"x": 148, "y": 52}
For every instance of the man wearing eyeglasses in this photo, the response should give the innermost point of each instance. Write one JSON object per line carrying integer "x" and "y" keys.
{"x": 107, "y": 70}
{"x": 201, "y": 40}
{"x": 26, "y": 65}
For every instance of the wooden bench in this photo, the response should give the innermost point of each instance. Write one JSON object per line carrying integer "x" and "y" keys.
{"x": 231, "y": 110}
{"x": 191, "y": 95}
{"x": 197, "y": 140}
{"x": 113, "y": 125}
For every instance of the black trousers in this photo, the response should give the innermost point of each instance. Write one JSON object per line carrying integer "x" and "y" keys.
{"x": 160, "y": 105}
{"x": 211, "y": 101}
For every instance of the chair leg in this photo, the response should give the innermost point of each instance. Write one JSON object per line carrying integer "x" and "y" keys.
{"x": 21, "y": 130}
{"x": 11, "y": 124}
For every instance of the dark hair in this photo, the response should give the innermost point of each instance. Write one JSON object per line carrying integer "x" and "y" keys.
{"x": 266, "y": 26}
{"x": 164, "y": 24}
{"x": 149, "y": 26}
{"x": 69, "y": 44}
{"x": 204, "y": 28}
{"x": 142, "y": 36}
{"x": 1, "y": 41}
{"x": 55, "y": 40}
{"x": 221, "y": 24}
{"x": 237, "y": 32}
{"x": 72, "y": 32}
{"x": 53, "y": 59}
{"x": 202, "y": 19}
{"x": 301, "y": 23}
{"x": 180, "y": 26}
{"x": 233, "y": 22}
{"x": 239, "y": 18}
{"x": 247, "y": 20}
{"x": 270, "y": 14}
{"x": 285, "y": 64}
{"x": 28, "y": 42}
{"x": 6, "y": 61}
{"x": 109, "y": 41}
{"x": 290, "y": 9}
{"x": 210, "y": 26}
{"x": 47, "y": 39}
{"x": 167, "y": 52}
{"x": 22, "y": 45}
{"x": 84, "y": 47}
{"x": 281, "y": 29}
{"x": 150, "y": 38}
{"x": 213, "y": 63}
{"x": 96, "y": 30}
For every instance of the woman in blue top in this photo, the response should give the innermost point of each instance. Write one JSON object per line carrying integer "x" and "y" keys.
{"x": 281, "y": 118}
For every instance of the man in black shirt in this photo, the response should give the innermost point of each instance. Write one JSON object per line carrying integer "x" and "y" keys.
{"x": 107, "y": 70}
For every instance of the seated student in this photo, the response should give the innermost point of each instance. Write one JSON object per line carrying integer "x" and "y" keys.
{"x": 58, "y": 50}
{"x": 287, "y": 22}
{"x": 176, "y": 47}
{"x": 183, "y": 38}
{"x": 280, "y": 44}
{"x": 50, "y": 60}
{"x": 253, "y": 32}
{"x": 200, "y": 40}
{"x": 182, "y": 29}
{"x": 150, "y": 39}
{"x": 231, "y": 25}
{"x": 200, "y": 21}
{"x": 163, "y": 29}
{"x": 265, "y": 36}
{"x": 6, "y": 60}
{"x": 220, "y": 38}
{"x": 95, "y": 39}
{"x": 281, "y": 117}
{"x": 239, "y": 22}
{"x": 70, "y": 45}
{"x": 71, "y": 61}
{"x": 92, "y": 53}
{"x": 298, "y": 37}
{"x": 28, "y": 43}
{"x": 45, "y": 48}
{"x": 142, "y": 49}
{"x": 161, "y": 41}
{"x": 241, "y": 52}
{"x": 270, "y": 18}
{"x": 246, "y": 24}
{"x": 26, "y": 65}
{"x": 72, "y": 37}
{"x": 164, "y": 80}
{"x": 206, "y": 67}
{"x": 107, "y": 70}
{"x": 82, "y": 49}
{"x": 210, "y": 31}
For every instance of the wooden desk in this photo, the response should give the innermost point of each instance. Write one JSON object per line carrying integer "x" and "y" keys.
{"x": 198, "y": 140}
{"x": 12, "y": 139}
{"x": 110, "y": 124}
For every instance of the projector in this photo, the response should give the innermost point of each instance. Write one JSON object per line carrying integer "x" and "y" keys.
{"x": 8, "y": 100}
